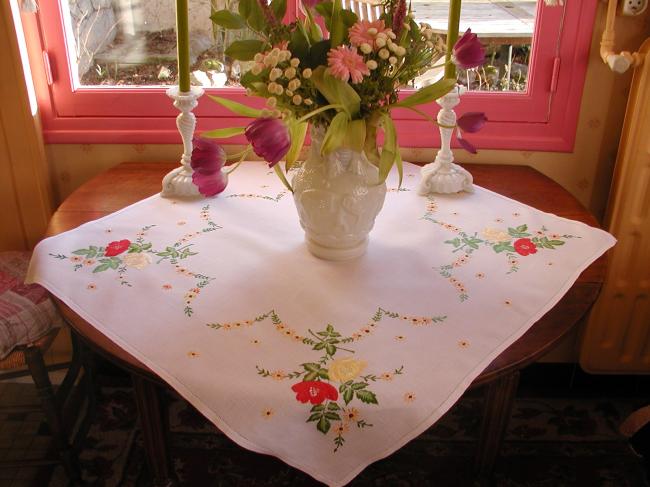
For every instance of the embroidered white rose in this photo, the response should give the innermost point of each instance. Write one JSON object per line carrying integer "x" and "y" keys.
{"x": 138, "y": 260}
{"x": 345, "y": 369}
{"x": 495, "y": 235}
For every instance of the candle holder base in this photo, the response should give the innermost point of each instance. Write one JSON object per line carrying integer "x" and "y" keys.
{"x": 442, "y": 175}
{"x": 444, "y": 178}
{"x": 178, "y": 182}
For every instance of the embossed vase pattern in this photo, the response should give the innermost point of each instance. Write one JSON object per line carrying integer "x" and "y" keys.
{"x": 338, "y": 199}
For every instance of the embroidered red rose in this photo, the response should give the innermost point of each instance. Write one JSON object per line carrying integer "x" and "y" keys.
{"x": 116, "y": 248}
{"x": 314, "y": 391}
{"x": 524, "y": 246}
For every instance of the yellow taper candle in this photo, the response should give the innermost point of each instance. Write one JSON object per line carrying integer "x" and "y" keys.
{"x": 183, "y": 46}
{"x": 452, "y": 36}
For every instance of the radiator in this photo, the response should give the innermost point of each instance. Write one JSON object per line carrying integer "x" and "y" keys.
{"x": 617, "y": 335}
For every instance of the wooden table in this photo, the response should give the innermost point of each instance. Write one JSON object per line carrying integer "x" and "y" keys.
{"x": 130, "y": 182}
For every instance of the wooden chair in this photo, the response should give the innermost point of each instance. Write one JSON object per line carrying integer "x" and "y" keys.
{"x": 365, "y": 9}
{"x": 29, "y": 323}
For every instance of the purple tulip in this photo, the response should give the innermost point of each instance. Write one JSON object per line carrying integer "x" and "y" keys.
{"x": 471, "y": 121}
{"x": 468, "y": 51}
{"x": 269, "y": 138}
{"x": 466, "y": 145}
{"x": 207, "y": 161}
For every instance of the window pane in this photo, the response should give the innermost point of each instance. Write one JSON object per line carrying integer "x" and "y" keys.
{"x": 133, "y": 42}
{"x": 505, "y": 27}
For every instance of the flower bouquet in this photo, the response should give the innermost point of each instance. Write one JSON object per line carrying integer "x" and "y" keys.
{"x": 341, "y": 75}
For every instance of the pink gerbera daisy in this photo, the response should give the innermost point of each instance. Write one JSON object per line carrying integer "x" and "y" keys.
{"x": 346, "y": 63}
{"x": 365, "y": 32}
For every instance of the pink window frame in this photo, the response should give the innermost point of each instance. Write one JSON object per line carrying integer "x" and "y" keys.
{"x": 544, "y": 118}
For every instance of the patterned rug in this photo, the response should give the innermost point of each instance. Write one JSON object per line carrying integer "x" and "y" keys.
{"x": 552, "y": 442}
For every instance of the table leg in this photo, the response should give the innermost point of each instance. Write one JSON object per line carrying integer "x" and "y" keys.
{"x": 499, "y": 399}
{"x": 154, "y": 425}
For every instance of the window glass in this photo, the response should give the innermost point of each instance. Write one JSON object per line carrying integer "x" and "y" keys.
{"x": 133, "y": 43}
{"x": 505, "y": 27}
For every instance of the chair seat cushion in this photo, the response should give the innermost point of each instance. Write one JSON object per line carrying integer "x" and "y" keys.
{"x": 26, "y": 310}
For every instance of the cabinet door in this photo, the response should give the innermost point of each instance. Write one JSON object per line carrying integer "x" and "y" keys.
{"x": 617, "y": 337}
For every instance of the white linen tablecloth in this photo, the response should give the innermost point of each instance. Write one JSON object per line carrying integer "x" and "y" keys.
{"x": 327, "y": 365}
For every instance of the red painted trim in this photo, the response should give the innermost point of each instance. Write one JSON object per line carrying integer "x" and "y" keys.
{"x": 536, "y": 120}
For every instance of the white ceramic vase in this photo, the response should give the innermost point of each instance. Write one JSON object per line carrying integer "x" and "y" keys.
{"x": 338, "y": 197}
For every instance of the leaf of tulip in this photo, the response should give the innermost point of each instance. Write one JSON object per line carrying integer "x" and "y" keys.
{"x": 297, "y": 131}
{"x": 355, "y": 136}
{"x": 428, "y": 93}
{"x": 389, "y": 152}
{"x": 336, "y": 91}
{"x": 400, "y": 167}
{"x": 252, "y": 12}
{"x": 244, "y": 50}
{"x": 238, "y": 108}
{"x": 348, "y": 17}
{"x": 335, "y": 134}
{"x": 314, "y": 31}
{"x": 338, "y": 31}
{"x": 279, "y": 8}
{"x": 299, "y": 44}
{"x": 283, "y": 178}
{"x": 223, "y": 133}
{"x": 228, "y": 19}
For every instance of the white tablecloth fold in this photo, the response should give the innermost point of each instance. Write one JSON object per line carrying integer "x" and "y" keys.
{"x": 328, "y": 366}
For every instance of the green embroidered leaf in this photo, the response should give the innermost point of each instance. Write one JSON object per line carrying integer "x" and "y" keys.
{"x": 101, "y": 268}
{"x": 323, "y": 425}
{"x": 556, "y": 243}
{"x": 333, "y": 406}
{"x": 228, "y": 19}
{"x": 502, "y": 247}
{"x": 80, "y": 252}
{"x": 314, "y": 417}
{"x": 323, "y": 374}
{"x": 311, "y": 367}
{"x": 318, "y": 407}
{"x": 319, "y": 346}
{"x": 455, "y": 242}
{"x": 519, "y": 232}
{"x": 310, "y": 376}
{"x": 359, "y": 385}
{"x": 330, "y": 349}
{"x": 333, "y": 416}
{"x": 348, "y": 395}
{"x": 366, "y": 396}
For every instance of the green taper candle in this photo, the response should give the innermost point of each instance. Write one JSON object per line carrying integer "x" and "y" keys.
{"x": 183, "y": 46}
{"x": 452, "y": 36}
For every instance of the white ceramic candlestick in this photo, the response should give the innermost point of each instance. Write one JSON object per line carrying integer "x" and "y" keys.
{"x": 442, "y": 175}
{"x": 179, "y": 181}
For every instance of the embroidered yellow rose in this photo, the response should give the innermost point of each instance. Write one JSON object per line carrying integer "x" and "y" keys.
{"x": 345, "y": 369}
{"x": 139, "y": 261}
{"x": 494, "y": 235}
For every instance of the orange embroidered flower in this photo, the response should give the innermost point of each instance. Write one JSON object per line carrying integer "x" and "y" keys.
{"x": 409, "y": 397}
{"x": 267, "y": 413}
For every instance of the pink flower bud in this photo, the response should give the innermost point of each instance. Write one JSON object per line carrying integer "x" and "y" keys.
{"x": 269, "y": 138}
{"x": 468, "y": 51}
{"x": 207, "y": 161}
{"x": 471, "y": 121}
